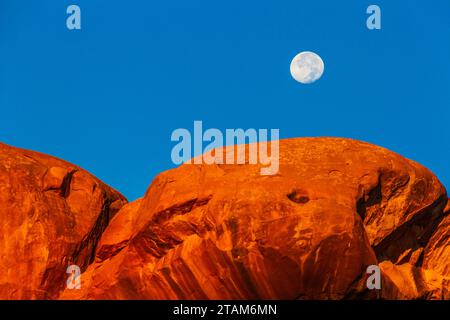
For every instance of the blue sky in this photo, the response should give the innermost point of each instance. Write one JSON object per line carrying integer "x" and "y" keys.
{"x": 108, "y": 97}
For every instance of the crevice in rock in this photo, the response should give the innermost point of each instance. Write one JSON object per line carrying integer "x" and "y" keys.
{"x": 87, "y": 247}
{"x": 65, "y": 185}
{"x": 413, "y": 234}
{"x": 155, "y": 240}
{"x": 109, "y": 251}
{"x": 64, "y": 188}
{"x": 54, "y": 278}
{"x": 180, "y": 209}
{"x": 369, "y": 199}
{"x": 357, "y": 290}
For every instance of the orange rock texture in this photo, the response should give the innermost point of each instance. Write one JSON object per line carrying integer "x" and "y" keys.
{"x": 310, "y": 231}
{"x": 335, "y": 207}
{"x": 52, "y": 214}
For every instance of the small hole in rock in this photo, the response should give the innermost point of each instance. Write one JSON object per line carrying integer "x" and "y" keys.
{"x": 298, "y": 196}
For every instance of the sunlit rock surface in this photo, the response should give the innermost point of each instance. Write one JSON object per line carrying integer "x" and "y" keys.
{"x": 310, "y": 231}
{"x": 52, "y": 215}
{"x": 335, "y": 207}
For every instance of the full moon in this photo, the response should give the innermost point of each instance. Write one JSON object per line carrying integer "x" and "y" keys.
{"x": 307, "y": 67}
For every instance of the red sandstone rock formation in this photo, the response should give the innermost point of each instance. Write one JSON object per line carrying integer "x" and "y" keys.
{"x": 52, "y": 214}
{"x": 227, "y": 232}
{"x": 308, "y": 232}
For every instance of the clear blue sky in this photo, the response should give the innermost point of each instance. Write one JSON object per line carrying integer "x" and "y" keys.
{"x": 108, "y": 97}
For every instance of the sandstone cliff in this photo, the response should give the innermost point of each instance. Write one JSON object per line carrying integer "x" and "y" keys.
{"x": 335, "y": 207}
{"x": 308, "y": 232}
{"x": 52, "y": 214}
